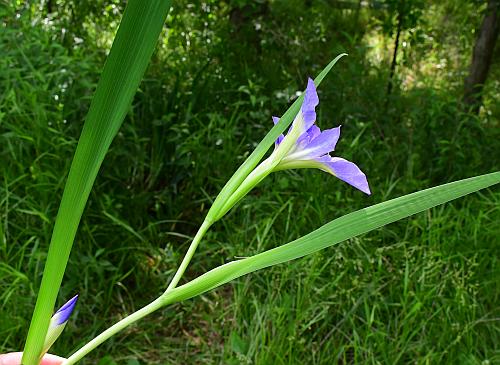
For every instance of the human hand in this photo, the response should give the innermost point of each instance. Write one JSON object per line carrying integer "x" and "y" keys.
{"x": 14, "y": 358}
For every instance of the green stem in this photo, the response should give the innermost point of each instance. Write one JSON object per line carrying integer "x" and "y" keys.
{"x": 255, "y": 177}
{"x": 265, "y": 168}
{"x": 189, "y": 254}
{"x": 117, "y": 327}
{"x": 150, "y": 308}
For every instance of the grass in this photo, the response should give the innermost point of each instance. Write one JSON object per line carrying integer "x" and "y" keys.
{"x": 423, "y": 290}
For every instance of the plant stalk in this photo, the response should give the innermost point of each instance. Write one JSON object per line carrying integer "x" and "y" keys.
{"x": 189, "y": 254}
{"x": 117, "y": 327}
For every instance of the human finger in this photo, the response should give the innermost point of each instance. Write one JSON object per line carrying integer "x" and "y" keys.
{"x": 14, "y": 358}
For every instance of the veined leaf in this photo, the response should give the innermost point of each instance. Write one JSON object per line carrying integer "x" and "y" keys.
{"x": 338, "y": 230}
{"x": 129, "y": 56}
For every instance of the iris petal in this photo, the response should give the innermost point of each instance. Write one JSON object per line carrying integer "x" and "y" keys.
{"x": 320, "y": 145}
{"x": 325, "y": 142}
{"x": 308, "y": 136}
{"x": 348, "y": 172}
{"x": 313, "y": 132}
{"x": 308, "y": 108}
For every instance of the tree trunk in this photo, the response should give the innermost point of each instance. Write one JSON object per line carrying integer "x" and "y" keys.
{"x": 481, "y": 57}
{"x": 395, "y": 53}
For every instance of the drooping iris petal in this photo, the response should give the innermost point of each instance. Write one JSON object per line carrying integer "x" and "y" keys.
{"x": 348, "y": 172}
{"x": 281, "y": 136}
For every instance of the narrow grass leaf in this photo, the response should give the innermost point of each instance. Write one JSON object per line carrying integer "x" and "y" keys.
{"x": 127, "y": 61}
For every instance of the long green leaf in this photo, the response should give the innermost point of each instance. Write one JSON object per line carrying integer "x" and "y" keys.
{"x": 261, "y": 149}
{"x": 127, "y": 61}
{"x": 338, "y": 230}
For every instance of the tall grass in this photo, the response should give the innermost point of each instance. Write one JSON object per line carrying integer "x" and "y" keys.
{"x": 263, "y": 328}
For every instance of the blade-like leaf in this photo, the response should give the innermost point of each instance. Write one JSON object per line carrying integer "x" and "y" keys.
{"x": 129, "y": 56}
{"x": 261, "y": 149}
{"x": 338, "y": 230}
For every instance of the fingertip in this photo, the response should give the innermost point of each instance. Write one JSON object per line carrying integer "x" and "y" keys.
{"x": 52, "y": 360}
{"x": 13, "y": 358}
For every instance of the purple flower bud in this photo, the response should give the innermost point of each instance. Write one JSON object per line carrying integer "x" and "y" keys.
{"x": 62, "y": 315}
{"x": 58, "y": 322}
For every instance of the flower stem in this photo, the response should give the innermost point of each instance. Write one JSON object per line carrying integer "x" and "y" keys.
{"x": 255, "y": 177}
{"x": 148, "y": 309}
{"x": 117, "y": 327}
{"x": 189, "y": 254}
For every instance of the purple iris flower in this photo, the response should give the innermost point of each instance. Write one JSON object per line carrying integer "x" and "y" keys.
{"x": 312, "y": 146}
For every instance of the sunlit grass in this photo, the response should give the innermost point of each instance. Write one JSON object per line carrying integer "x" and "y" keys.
{"x": 407, "y": 292}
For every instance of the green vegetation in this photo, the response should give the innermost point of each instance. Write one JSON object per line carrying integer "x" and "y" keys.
{"x": 422, "y": 290}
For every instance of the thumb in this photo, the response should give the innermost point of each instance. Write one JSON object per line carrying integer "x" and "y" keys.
{"x": 14, "y": 358}
{"x": 52, "y": 360}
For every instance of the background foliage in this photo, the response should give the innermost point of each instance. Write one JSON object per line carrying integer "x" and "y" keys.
{"x": 422, "y": 290}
